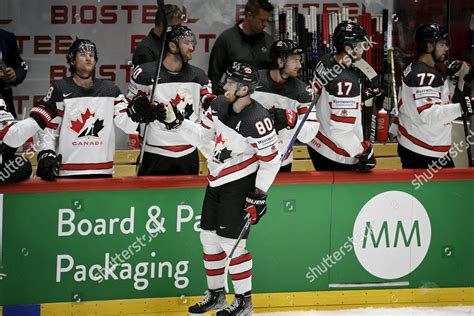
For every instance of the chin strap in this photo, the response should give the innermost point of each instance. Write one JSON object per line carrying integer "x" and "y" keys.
{"x": 82, "y": 76}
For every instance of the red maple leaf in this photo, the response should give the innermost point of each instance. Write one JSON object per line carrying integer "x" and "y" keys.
{"x": 177, "y": 100}
{"x": 77, "y": 125}
{"x": 219, "y": 140}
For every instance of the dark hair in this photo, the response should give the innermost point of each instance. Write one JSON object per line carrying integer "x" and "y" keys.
{"x": 254, "y": 6}
{"x": 171, "y": 11}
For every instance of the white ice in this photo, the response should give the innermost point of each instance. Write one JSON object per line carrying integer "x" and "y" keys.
{"x": 412, "y": 311}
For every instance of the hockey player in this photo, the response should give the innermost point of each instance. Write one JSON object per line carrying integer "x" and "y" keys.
{"x": 339, "y": 144}
{"x": 184, "y": 85}
{"x": 12, "y": 135}
{"x": 241, "y": 170}
{"x": 88, "y": 109}
{"x": 287, "y": 97}
{"x": 426, "y": 111}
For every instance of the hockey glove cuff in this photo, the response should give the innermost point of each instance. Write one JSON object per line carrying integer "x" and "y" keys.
{"x": 44, "y": 115}
{"x": 255, "y": 206}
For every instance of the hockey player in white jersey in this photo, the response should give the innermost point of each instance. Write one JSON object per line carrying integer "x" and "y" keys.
{"x": 88, "y": 109}
{"x": 287, "y": 97}
{"x": 426, "y": 110}
{"x": 241, "y": 170}
{"x": 339, "y": 144}
{"x": 184, "y": 85}
{"x": 14, "y": 168}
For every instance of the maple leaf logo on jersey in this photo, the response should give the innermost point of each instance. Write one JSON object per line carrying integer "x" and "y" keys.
{"x": 221, "y": 153}
{"x": 87, "y": 125}
{"x": 188, "y": 108}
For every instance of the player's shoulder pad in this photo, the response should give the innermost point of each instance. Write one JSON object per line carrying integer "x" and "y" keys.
{"x": 144, "y": 74}
{"x": 57, "y": 90}
{"x": 108, "y": 87}
{"x": 348, "y": 81}
{"x": 305, "y": 92}
{"x": 200, "y": 75}
{"x": 256, "y": 121}
{"x": 419, "y": 74}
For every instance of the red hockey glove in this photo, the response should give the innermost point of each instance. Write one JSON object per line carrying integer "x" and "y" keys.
{"x": 255, "y": 206}
{"x": 283, "y": 118}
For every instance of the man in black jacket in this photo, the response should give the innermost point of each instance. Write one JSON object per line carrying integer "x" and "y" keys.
{"x": 12, "y": 68}
{"x": 245, "y": 42}
{"x": 148, "y": 50}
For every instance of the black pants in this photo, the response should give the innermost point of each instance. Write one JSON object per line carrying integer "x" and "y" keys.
{"x": 321, "y": 163}
{"x": 412, "y": 160}
{"x": 223, "y": 207}
{"x": 14, "y": 170}
{"x": 154, "y": 164}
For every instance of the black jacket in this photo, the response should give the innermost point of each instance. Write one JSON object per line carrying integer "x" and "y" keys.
{"x": 11, "y": 57}
{"x": 234, "y": 45}
{"x": 147, "y": 50}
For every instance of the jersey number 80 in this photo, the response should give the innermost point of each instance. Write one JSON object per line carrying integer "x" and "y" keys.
{"x": 264, "y": 127}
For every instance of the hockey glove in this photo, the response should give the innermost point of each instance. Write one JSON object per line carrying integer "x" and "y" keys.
{"x": 457, "y": 69}
{"x": 206, "y": 100}
{"x": 48, "y": 165}
{"x": 464, "y": 100}
{"x": 317, "y": 88}
{"x": 370, "y": 93}
{"x": 283, "y": 118}
{"x": 255, "y": 206}
{"x": 139, "y": 109}
{"x": 172, "y": 117}
{"x": 366, "y": 158}
{"x": 44, "y": 113}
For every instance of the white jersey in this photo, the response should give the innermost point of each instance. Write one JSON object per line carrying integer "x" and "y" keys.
{"x": 338, "y": 110}
{"x": 426, "y": 113}
{"x": 245, "y": 143}
{"x": 85, "y": 133}
{"x": 184, "y": 90}
{"x": 294, "y": 95}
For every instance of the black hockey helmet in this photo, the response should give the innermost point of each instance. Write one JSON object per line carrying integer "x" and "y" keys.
{"x": 348, "y": 33}
{"x": 284, "y": 48}
{"x": 242, "y": 73}
{"x": 79, "y": 46}
{"x": 175, "y": 33}
{"x": 430, "y": 33}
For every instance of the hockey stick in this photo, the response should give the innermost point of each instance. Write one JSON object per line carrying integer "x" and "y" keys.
{"x": 370, "y": 73}
{"x": 289, "y": 148}
{"x": 161, "y": 7}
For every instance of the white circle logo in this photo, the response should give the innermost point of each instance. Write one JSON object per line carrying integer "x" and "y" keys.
{"x": 392, "y": 234}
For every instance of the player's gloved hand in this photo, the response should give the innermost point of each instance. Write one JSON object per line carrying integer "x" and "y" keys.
{"x": 171, "y": 116}
{"x": 464, "y": 100}
{"x": 283, "y": 118}
{"x": 206, "y": 100}
{"x": 48, "y": 165}
{"x": 255, "y": 206}
{"x": 370, "y": 93}
{"x": 139, "y": 109}
{"x": 155, "y": 113}
{"x": 317, "y": 88}
{"x": 44, "y": 113}
{"x": 457, "y": 69}
{"x": 366, "y": 158}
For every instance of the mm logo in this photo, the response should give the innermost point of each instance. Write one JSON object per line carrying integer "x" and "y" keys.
{"x": 384, "y": 233}
{"x": 397, "y": 235}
